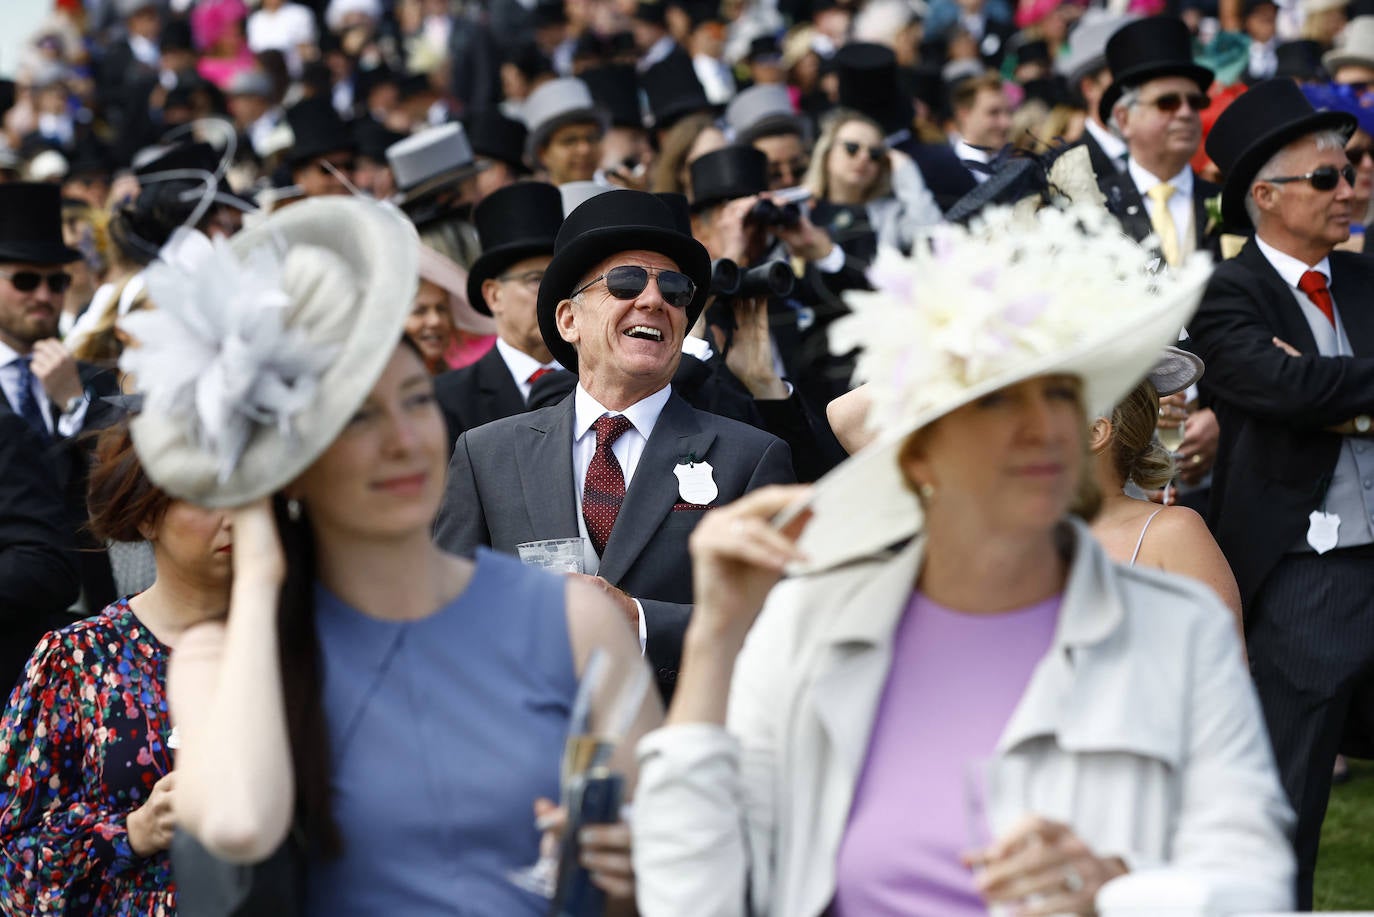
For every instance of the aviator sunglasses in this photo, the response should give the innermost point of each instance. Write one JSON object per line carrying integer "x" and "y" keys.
{"x": 876, "y": 154}
{"x": 1171, "y": 102}
{"x": 627, "y": 281}
{"x": 1323, "y": 178}
{"x": 28, "y": 281}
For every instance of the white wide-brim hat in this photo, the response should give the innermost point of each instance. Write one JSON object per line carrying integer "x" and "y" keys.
{"x": 261, "y": 348}
{"x": 974, "y": 311}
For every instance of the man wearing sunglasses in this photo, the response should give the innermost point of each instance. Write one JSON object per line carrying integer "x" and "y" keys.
{"x": 40, "y": 382}
{"x": 624, "y": 462}
{"x": 1287, "y": 331}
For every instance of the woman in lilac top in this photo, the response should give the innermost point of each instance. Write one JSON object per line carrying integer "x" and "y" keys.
{"x": 953, "y": 634}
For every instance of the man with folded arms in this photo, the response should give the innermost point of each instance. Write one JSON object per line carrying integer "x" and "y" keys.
{"x": 623, "y": 463}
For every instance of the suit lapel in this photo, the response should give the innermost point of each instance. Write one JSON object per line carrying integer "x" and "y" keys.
{"x": 498, "y": 387}
{"x": 1124, "y": 201}
{"x": 1349, "y": 277}
{"x": 1287, "y": 314}
{"x": 653, "y": 490}
{"x": 545, "y": 464}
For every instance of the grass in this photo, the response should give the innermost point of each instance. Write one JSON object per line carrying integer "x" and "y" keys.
{"x": 1345, "y": 865}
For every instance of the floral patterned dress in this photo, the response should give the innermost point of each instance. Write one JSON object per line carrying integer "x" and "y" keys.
{"x": 82, "y": 743}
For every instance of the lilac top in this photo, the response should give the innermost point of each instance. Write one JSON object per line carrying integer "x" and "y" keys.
{"x": 956, "y": 679}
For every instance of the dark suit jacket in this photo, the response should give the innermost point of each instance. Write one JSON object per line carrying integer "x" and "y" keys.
{"x": 1103, "y": 165}
{"x": 947, "y": 178}
{"x": 38, "y": 573}
{"x": 512, "y": 481}
{"x": 69, "y": 460}
{"x": 1127, "y": 204}
{"x": 1275, "y": 456}
{"x": 476, "y": 394}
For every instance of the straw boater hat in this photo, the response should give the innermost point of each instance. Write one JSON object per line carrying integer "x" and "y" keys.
{"x": 975, "y": 311}
{"x": 618, "y": 221}
{"x": 261, "y": 348}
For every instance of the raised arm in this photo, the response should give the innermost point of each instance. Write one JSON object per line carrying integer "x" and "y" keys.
{"x": 236, "y": 791}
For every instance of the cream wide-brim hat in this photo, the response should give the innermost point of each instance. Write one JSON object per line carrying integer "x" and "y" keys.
{"x": 865, "y": 505}
{"x": 348, "y": 272}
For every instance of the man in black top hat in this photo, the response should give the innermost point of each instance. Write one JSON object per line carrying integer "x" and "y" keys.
{"x": 39, "y": 380}
{"x": 673, "y": 91}
{"x": 1083, "y": 65}
{"x": 1155, "y": 101}
{"x": 627, "y": 153}
{"x": 517, "y": 226}
{"x": 1287, "y": 331}
{"x": 499, "y": 144}
{"x": 323, "y": 149}
{"x": 617, "y": 298}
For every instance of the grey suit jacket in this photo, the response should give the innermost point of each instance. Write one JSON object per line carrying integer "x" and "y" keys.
{"x": 511, "y": 481}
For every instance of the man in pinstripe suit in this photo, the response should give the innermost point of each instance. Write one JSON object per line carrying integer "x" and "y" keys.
{"x": 1287, "y": 331}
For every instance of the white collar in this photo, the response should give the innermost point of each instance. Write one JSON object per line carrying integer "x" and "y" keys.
{"x": 1111, "y": 144}
{"x": 1290, "y": 268}
{"x": 8, "y": 354}
{"x": 643, "y": 414}
{"x": 1145, "y": 179}
{"x": 965, "y": 150}
{"x": 521, "y": 364}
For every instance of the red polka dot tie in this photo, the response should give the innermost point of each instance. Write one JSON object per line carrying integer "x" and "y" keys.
{"x": 604, "y": 489}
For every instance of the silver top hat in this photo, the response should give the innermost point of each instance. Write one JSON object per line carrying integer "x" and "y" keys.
{"x": 1087, "y": 50}
{"x": 577, "y": 193}
{"x": 431, "y": 158}
{"x": 554, "y": 104}
{"x": 762, "y": 110}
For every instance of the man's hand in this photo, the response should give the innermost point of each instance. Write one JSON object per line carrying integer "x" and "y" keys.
{"x": 150, "y": 826}
{"x": 56, "y": 370}
{"x": 750, "y": 356}
{"x": 732, "y": 233}
{"x": 622, "y": 600}
{"x": 1199, "y": 448}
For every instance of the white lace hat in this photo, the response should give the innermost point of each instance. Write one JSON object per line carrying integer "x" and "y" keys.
{"x": 976, "y": 310}
{"x": 261, "y": 348}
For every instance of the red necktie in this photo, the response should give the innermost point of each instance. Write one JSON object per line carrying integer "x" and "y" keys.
{"x": 1314, "y": 285}
{"x": 604, "y": 489}
{"x": 537, "y": 374}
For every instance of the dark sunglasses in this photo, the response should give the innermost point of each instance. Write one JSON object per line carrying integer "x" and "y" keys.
{"x": 1171, "y": 102}
{"x": 1356, "y": 154}
{"x": 627, "y": 281}
{"x": 1323, "y": 178}
{"x": 28, "y": 281}
{"x": 791, "y": 171}
{"x": 876, "y": 154}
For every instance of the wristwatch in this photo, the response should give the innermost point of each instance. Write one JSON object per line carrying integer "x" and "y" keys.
{"x": 1363, "y": 424}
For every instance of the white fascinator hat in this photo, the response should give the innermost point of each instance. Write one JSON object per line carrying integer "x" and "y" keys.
{"x": 261, "y": 347}
{"x": 971, "y": 311}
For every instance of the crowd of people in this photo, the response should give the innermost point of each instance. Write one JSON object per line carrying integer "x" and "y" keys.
{"x": 948, "y": 423}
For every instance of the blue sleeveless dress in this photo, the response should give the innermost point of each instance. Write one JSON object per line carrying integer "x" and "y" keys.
{"x": 442, "y": 734}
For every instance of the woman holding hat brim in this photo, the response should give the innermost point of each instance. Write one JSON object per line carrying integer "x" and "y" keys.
{"x": 1099, "y": 716}
{"x": 403, "y": 707}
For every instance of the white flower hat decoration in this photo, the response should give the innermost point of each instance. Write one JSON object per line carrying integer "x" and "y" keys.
{"x": 260, "y": 349}
{"x": 974, "y": 310}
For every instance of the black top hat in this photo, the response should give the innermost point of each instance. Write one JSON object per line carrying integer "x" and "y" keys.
{"x": 494, "y": 136}
{"x": 1035, "y": 51}
{"x": 926, "y": 83}
{"x": 682, "y": 213}
{"x": 653, "y": 12}
{"x": 615, "y": 88}
{"x": 515, "y": 222}
{"x": 364, "y": 81}
{"x": 175, "y": 36}
{"x": 31, "y": 224}
{"x": 371, "y": 138}
{"x": 1300, "y": 60}
{"x": 1260, "y": 122}
{"x": 318, "y": 130}
{"x": 764, "y": 47}
{"x": 868, "y": 84}
{"x": 728, "y": 173}
{"x": 1147, "y": 49}
{"x": 601, "y": 227}
{"x": 673, "y": 90}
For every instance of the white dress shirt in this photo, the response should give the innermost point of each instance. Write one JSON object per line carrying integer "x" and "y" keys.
{"x": 1111, "y": 144}
{"x": 1180, "y": 205}
{"x": 970, "y": 153}
{"x": 67, "y": 424}
{"x": 521, "y": 366}
{"x": 643, "y": 415}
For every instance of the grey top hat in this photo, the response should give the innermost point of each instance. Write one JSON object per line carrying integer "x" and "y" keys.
{"x": 1087, "y": 50}
{"x": 1354, "y": 46}
{"x": 250, "y": 83}
{"x": 430, "y": 160}
{"x": 763, "y": 110}
{"x": 555, "y": 104}
{"x": 577, "y": 193}
{"x": 127, "y": 8}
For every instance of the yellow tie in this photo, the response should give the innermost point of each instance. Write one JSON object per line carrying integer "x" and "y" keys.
{"x": 1163, "y": 222}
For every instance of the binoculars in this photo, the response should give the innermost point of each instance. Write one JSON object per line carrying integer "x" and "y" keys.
{"x": 772, "y": 278}
{"x": 766, "y": 213}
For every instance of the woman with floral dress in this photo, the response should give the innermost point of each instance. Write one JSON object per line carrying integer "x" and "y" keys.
{"x": 86, "y": 745}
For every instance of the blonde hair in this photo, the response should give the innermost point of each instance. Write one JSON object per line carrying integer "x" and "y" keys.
{"x": 102, "y": 346}
{"x": 671, "y": 162}
{"x": 818, "y": 177}
{"x": 1136, "y": 454}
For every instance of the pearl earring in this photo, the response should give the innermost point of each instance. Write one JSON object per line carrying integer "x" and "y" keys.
{"x": 293, "y": 510}
{"x": 926, "y": 490}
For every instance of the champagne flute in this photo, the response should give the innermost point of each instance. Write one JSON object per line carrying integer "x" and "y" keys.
{"x": 1171, "y": 438}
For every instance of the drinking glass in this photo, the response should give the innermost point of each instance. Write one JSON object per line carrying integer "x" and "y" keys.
{"x": 1170, "y": 432}
{"x": 560, "y": 555}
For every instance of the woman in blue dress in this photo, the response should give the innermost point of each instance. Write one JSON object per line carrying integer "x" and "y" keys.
{"x": 401, "y": 708}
